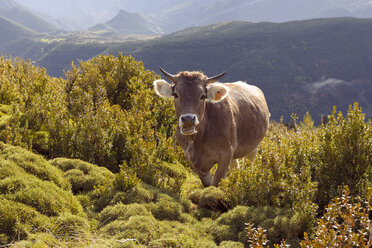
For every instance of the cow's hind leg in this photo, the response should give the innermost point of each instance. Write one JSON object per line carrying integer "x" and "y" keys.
{"x": 252, "y": 155}
{"x": 234, "y": 164}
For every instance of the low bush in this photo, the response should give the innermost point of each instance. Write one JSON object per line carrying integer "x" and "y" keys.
{"x": 166, "y": 208}
{"x": 68, "y": 226}
{"x": 122, "y": 212}
{"x": 106, "y": 102}
{"x": 33, "y": 164}
{"x": 17, "y": 220}
{"x": 142, "y": 228}
{"x": 40, "y": 239}
{"x": 345, "y": 155}
{"x": 138, "y": 194}
{"x": 346, "y": 223}
{"x": 231, "y": 244}
{"x": 213, "y": 198}
{"x": 39, "y": 194}
{"x": 82, "y": 175}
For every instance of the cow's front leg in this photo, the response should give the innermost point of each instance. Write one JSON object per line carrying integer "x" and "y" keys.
{"x": 205, "y": 177}
{"x": 221, "y": 171}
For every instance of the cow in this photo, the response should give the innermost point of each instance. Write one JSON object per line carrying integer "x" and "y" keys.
{"x": 217, "y": 122}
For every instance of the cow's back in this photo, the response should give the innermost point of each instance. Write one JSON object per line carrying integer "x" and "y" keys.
{"x": 251, "y": 116}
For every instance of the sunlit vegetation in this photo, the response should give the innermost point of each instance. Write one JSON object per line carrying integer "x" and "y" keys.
{"x": 91, "y": 161}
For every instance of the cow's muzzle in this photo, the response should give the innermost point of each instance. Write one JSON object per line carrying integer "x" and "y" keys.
{"x": 188, "y": 123}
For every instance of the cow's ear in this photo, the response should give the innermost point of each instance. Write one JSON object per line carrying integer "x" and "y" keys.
{"x": 163, "y": 88}
{"x": 216, "y": 92}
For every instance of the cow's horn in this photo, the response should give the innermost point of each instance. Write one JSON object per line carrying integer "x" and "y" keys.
{"x": 215, "y": 78}
{"x": 167, "y": 75}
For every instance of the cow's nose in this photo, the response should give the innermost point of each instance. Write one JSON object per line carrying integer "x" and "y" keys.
{"x": 188, "y": 118}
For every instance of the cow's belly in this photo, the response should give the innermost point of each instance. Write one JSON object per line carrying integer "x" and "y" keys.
{"x": 249, "y": 136}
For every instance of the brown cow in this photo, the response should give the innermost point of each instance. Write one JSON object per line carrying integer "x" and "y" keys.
{"x": 217, "y": 123}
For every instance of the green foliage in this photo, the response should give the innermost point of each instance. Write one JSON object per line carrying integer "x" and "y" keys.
{"x": 280, "y": 224}
{"x": 125, "y": 180}
{"x": 122, "y": 212}
{"x": 18, "y": 219}
{"x": 34, "y": 195}
{"x": 165, "y": 208}
{"x": 107, "y": 102}
{"x": 82, "y": 175}
{"x": 281, "y": 174}
{"x": 231, "y": 244}
{"x": 68, "y": 226}
{"x": 32, "y": 164}
{"x": 344, "y": 224}
{"x": 138, "y": 194}
{"x": 345, "y": 155}
{"x": 213, "y": 198}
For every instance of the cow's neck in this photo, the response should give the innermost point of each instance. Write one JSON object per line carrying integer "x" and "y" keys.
{"x": 192, "y": 144}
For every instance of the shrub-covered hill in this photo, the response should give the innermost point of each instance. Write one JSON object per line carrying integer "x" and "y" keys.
{"x": 108, "y": 171}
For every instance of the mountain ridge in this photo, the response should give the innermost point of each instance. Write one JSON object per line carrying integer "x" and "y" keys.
{"x": 23, "y": 16}
{"x": 129, "y": 24}
{"x": 176, "y": 15}
{"x": 301, "y": 66}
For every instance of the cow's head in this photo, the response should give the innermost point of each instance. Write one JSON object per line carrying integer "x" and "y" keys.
{"x": 190, "y": 91}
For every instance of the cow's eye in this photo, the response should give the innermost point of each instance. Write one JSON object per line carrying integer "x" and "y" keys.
{"x": 203, "y": 97}
{"x": 175, "y": 95}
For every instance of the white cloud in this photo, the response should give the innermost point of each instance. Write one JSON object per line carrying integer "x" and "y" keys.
{"x": 325, "y": 83}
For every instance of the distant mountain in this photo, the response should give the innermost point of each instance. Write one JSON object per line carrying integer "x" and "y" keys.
{"x": 174, "y": 15}
{"x": 200, "y": 12}
{"x": 11, "y": 31}
{"x": 301, "y": 66}
{"x": 75, "y": 15}
{"x": 87, "y": 13}
{"x": 16, "y": 12}
{"x": 128, "y": 24}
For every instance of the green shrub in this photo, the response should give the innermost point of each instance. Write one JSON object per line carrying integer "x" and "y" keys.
{"x": 33, "y": 164}
{"x": 142, "y": 228}
{"x": 345, "y": 155}
{"x": 221, "y": 233}
{"x": 122, "y": 212}
{"x": 235, "y": 218}
{"x": 166, "y": 208}
{"x": 107, "y": 102}
{"x": 231, "y": 244}
{"x": 202, "y": 213}
{"x": 110, "y": 192}
{"x": 195, "y": 195}
{"x": 138, "y": 194}
{"x": 125, "y": 179}
{"x": 344, "y": 224}
{"x": 281, "y": 173}
{"x": 82, "y": 175}
{"x": 40, "y": 240}
{"x": 17, "y": 220}
{"x": 44, "y": 196}
{"x": 69, "y": 226}
{"x": 213, "y": 198}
